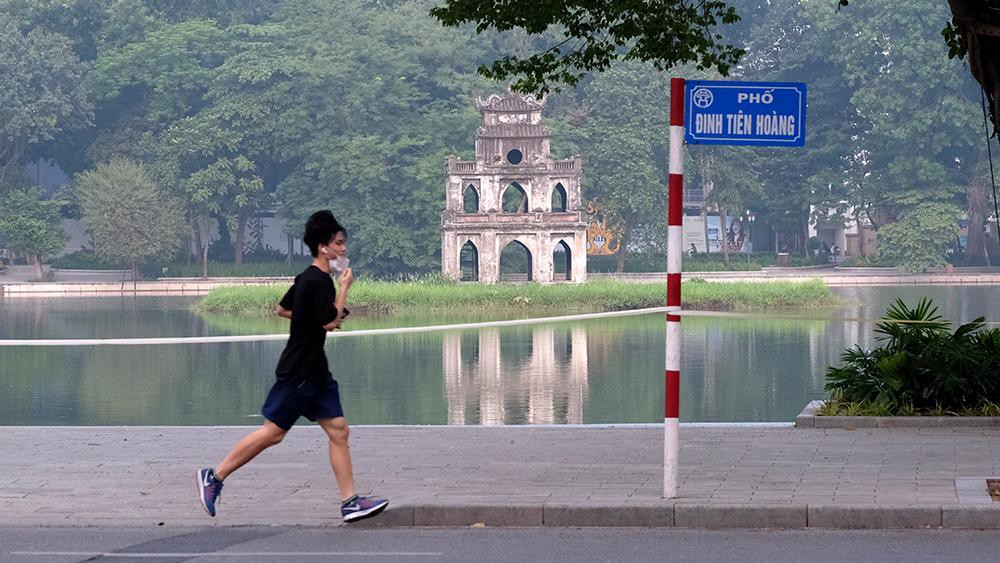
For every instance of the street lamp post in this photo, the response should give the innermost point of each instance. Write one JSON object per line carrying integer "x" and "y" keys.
{"x": 749, "y": 228}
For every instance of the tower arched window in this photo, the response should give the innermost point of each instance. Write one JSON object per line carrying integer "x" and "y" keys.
{"x": 470, "y": 200}
{"x": 559, "y": 198}
{"x": 514, "y": 199}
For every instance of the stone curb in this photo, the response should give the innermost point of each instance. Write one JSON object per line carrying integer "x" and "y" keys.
{"x": 666, "y": 515}
{"x": 693, "y": 516}
{"x": 809, "y": 419}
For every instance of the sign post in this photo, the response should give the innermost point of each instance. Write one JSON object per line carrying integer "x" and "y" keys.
{"x": 713, "y": 112}
{"x": 675, "y": 253}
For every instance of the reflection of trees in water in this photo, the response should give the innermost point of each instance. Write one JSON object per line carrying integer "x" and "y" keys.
{"x": 174, "y": 384}
{"x": 545, "y": 383}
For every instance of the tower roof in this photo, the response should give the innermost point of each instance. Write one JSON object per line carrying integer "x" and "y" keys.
{"x": 509, "y": 102}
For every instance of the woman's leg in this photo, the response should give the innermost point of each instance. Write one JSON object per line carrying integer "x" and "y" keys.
{"x": 340, "y": 454}
{"x": 257, "y": 441}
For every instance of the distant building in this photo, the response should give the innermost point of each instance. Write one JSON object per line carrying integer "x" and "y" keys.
{"x": 513, "y": 193}
{"x": 833, "y": 227}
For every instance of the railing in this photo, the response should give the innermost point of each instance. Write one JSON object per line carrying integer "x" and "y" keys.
{"x": 472, "y": 166}
{"x": 461, "y": 166}
{"x": 533, "y": 217}
{"x": 694, "y": 196}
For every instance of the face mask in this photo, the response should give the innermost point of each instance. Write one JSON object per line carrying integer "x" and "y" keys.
{"x": 340, "y": 263}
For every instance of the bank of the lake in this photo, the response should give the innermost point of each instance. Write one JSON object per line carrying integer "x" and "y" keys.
{"x": 606, "y": 295}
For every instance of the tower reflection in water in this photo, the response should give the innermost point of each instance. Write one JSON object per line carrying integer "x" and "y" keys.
{"x": 544, "y": 382}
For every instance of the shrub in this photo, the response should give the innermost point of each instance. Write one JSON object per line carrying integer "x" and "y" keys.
{"x": 922, "y": 363}
{"x": 921, "y": 238}
{"x": 88, "y": 260}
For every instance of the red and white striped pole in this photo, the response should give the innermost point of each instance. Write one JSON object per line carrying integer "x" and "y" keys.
{"x": 675, "y": 237}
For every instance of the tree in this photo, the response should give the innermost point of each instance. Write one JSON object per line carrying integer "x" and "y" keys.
{"x": 974, "y": 32}
{"x": 128, "y": 215}
{"x": 624, "y": 153}
{"x": 669, "y": 33}
{"x": 172, "y": 78}
{"x": 41, "y": 91}
{"x": 918, "y": 125}
{"x": 666, "y": 33}
{"x": 920, "y": 238}
{"x": 380, "y": 96}
{"x": 30, "y": 224}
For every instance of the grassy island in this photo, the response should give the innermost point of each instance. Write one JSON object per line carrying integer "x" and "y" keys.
{"x": 435, "y": 295}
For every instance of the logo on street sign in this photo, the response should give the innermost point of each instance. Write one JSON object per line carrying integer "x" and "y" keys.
{"x": 720, "y": 112}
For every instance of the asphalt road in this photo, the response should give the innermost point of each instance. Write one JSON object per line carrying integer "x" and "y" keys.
{"x": 38, "y": 545}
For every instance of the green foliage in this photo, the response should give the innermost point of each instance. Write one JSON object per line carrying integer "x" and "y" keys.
{"x": 41, "y": 90}
{"x": 836, "y": 408}
{"x": 88, "y": 260}
{"x": 666, "y": 34}
{"x": 921, "y": 363}
{"x": 128, "y": 215}
{"x": 435, "y": 294}
{"x": 921, "y": 238}
{"x": 600, "y": 122}
{"x": 29, "y": 223}
{"x": 295, "y": 105}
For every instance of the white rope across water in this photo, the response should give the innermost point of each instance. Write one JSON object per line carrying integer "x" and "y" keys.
{"x": 418, "y": 329}
{"x": 336, "y": 334}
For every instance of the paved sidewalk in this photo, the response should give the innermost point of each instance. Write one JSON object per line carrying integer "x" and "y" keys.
{"x": 510, "y": 476}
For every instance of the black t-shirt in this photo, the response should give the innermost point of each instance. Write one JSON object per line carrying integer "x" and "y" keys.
{"x": 311, "y": 301}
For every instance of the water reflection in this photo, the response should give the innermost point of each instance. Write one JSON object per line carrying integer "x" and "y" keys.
{"x": 759, "y": 368}
{"x": 547, "y": 385}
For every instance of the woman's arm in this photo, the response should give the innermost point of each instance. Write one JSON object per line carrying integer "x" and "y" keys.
{"x": 283, "y": 312}
{"x": 346, "y": 279}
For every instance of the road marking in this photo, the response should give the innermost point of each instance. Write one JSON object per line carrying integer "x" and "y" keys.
{"x": 165, "y": 555}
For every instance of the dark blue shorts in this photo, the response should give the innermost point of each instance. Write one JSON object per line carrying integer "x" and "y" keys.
{"x": 291, "y": 398}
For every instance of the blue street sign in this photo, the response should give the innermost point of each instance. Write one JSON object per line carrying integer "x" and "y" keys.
{"x": 719, "y": 112}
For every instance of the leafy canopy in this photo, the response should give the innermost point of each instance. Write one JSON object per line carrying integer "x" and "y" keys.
{"x": 30, "y": 224}
{"x": 665, "y": 33}
{"x": 127, "y": 213}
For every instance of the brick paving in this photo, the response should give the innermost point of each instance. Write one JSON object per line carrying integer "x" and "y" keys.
{"x": 785, "y": 477}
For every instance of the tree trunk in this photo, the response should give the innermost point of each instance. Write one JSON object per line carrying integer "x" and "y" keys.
{"x": 135, "y": 271}
{"x": 241, "y": 227}
{"x": 204, "y": 262}
{"x": 291, "y": 250}
{"x": 36, "y": 261}
{"x": 704, "y": 224}
{"x": 861, "y": 237}
{"x": 979, "y": 208}
{"x": 805, "y": 238}
{"x": 724, "y": 233}
{"x": 979, "y": 25}
{"x": 196, "y": 232}
{"x": 620, "y": 257}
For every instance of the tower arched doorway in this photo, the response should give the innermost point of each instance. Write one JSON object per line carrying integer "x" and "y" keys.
{"x": 515, "y": 262}
{"x": 468, "y": 262}
{"x": 562, "y": 262}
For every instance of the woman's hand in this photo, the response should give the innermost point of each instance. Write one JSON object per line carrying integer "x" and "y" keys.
{"x": 346, "y": 279}
{"x": 334, "y": 324}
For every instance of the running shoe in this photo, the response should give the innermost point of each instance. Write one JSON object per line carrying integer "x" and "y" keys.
{"x": 209, "y": 489}
{"x": 358, "y": 508}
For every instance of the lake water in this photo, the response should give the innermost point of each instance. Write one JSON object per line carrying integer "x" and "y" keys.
{"x": 763, "y": 367}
